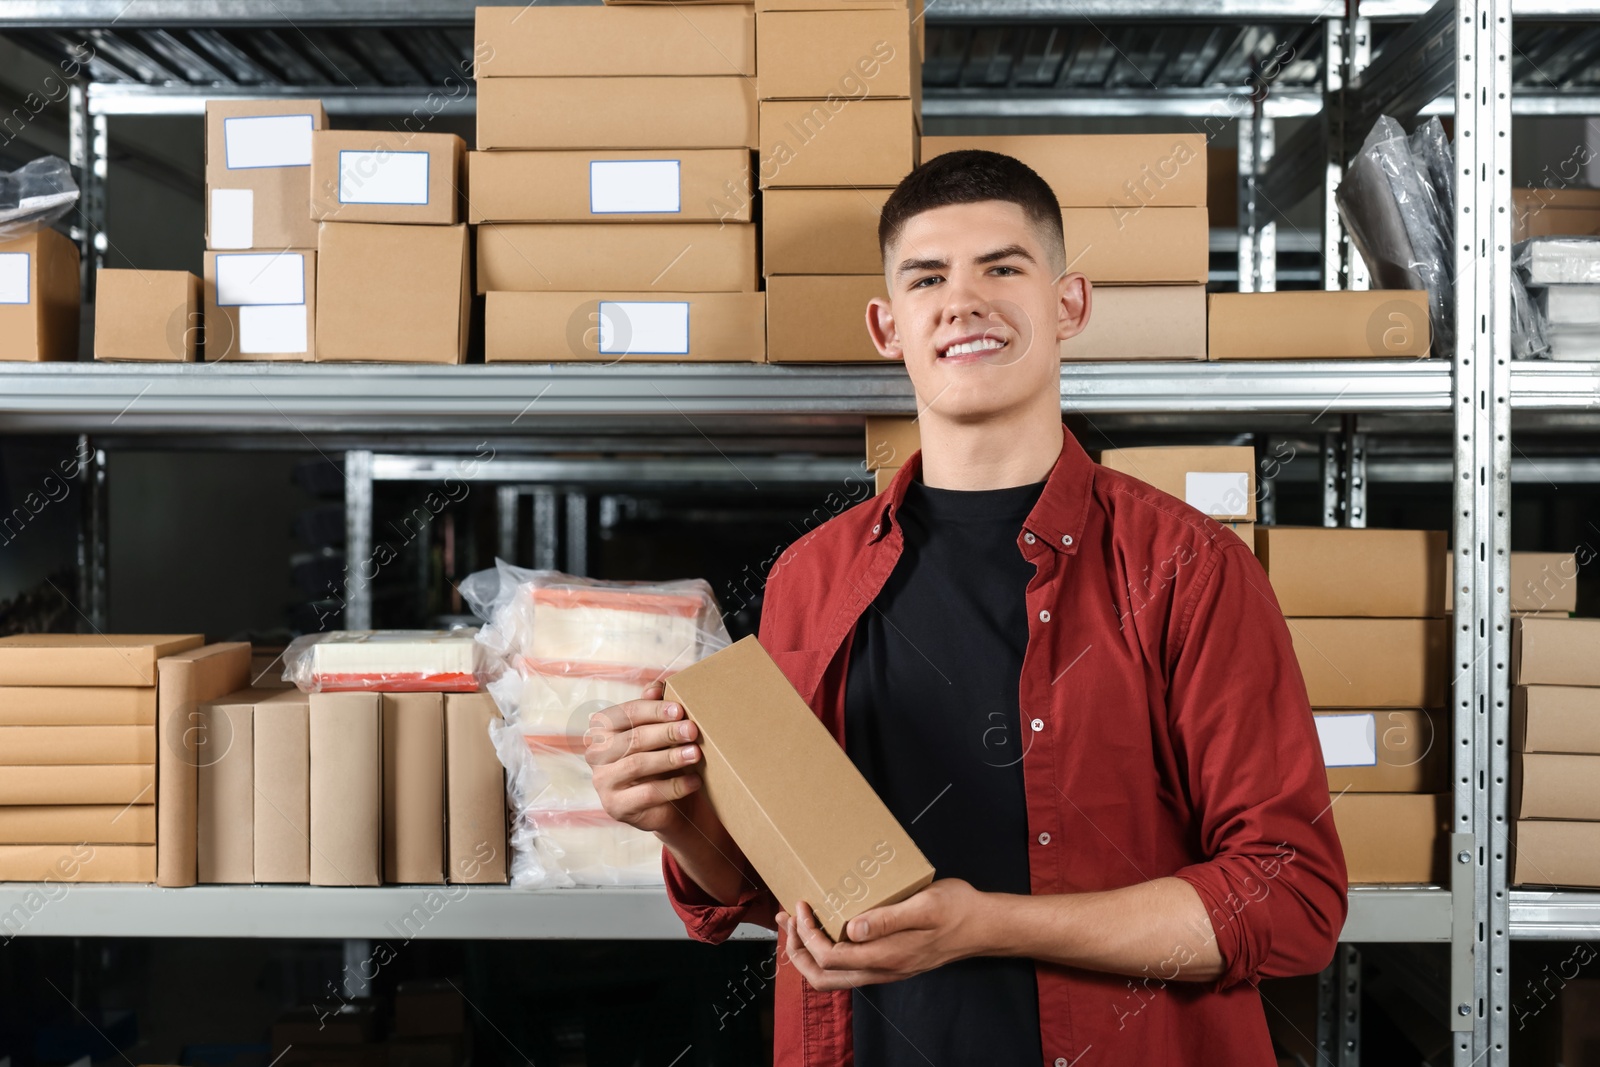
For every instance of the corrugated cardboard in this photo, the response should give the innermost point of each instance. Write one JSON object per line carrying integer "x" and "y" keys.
{"x": 1393, "y": 838}
{"x": 259, "y": 313}
{"x": 413, "y": 788}
{"x": 283, "y": 788}
{"x": 77, "y": 706}
{"x": 1403, "y": 750}
{"x": 613, "y": 326}
{"x": 88, "y": 659}
{"x": 787, "y": 793}
{"x": 96, "y": 824}
{"x": 1318, "y": 570}
{"x": 691, "y": 257}
{"x": 821, "y": 231}
{"x": 225, "y": 798}
{"x": 147, "y": 315}
{"x": 39, "y": 294}
{"x": 1540, "y": 582}
{"x": 528, "y": 41}
{"x": 387, "y": 176}
{"x": 1165, "y": 322}
{"x": 1555, "y": 651}
{"x": 1371, "y": 663}
{"x": 1132, "y": 170}
{"x": 346, "y": 788}
{"x": 393, "y": 294}
{"x": 1555, "y": 718}
{"x": 882, "y": 477}
{"x": 1555, "y": 786}
{"x": 627, "y": 113}
{"x": 119, "y": 783}
{"x": 77, "y": 863}
{"x": 891, "y": 439}
{"x": 1119, "y": 246}
{"x": 1553, "y": 220}
{"x": 711, "y": 185}
{"x": 77, "y": 744}
{"x": 821, "y": 318}
{"x": 848, "y": 54}
{"x": 1220, "y": 480}
{"x": 475, "y": 785}
{"x": 834, "y": 143}
{"x": 1548, "y": 852}
{"x": 1371, "y": 324}
{"x": 249, "y": 202}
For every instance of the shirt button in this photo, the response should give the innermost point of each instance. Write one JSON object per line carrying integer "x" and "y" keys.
{"x": 1044, "y": 839}
{"x": 1037, "y": 724}
{"x": 1066, "y": 539}
{"x": 1044, "y": 616}
{"x": 876, "y": 527}
{"x": 1028, "y": 537}
{"x": 1061, "y": 1061}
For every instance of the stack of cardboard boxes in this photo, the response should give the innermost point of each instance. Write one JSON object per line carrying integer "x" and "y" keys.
{"x": 1338, "y": 324}
{"x": 1219, "y": 480}
{"x": 612, "y": 184}
{"x": 39, "y": 297}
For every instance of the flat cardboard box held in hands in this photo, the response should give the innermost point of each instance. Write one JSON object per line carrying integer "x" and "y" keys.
{"x": 789, "y": 795}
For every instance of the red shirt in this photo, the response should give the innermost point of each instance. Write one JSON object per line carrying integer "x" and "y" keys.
{"x": 1171, "y": 735}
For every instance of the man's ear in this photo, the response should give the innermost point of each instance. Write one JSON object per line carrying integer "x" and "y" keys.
{"x": 1074, "y": 300}
{"x": 881, "y": 325}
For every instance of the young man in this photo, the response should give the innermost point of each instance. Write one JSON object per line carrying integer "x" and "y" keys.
{"x": 1076, "y": 693}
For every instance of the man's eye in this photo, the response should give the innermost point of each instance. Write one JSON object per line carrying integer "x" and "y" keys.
{"x": 1005, "y": 270}
{"x": 922, "y": 283}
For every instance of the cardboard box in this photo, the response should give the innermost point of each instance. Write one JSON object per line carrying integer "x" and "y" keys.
{"x": 1162, "y": 245}
{"x": 119, "y": 783}
{"x": 58, "y": 745}
{"x": 564, "y": 42}
{"x": 147, "y": 315}
{"x": 1344, "y": 571}
{"x": 95, "y": 824}
{"x": 789, "y": 795}
{"x": 413, "y": 788}
{"x": 1371, "y": 324}
{"x": 387, "y": 176}
{"x": 1397, "y": 751}
{"x": 88, "y": 659}
{"x": 1540, "y": 582}
{"x": 821, "y": 231}
{"x": 1394, "y": 838}
{"x": 1130, "y": 170}
{"x": 840, "y": 54}
{"x": 613, "y": 326}
{"x": 77, "y": 863}
{"x": 1555, "y": 718}
{"x": 346, "y": 788}
{"x": 39, "y": 295}
{"x": 393, "y": 294}
{"x": 1555, "y": 651}
{"x": 187, "y": 680}
{"x": 77, "y": 706}
{"x": 820, "y": 318}
{"x": 1142, "y": 322}
{"x": 626, "y": 113}
{"x": 710, "y": 185}
{"x": 1219, "y": 481}
{"x": 690, "y": 257}
{"x": 424, "y": 1008}
{"x": 836, "y": 143}
{"x": 1555, "y": 786}
{"x": 261, "y": 305}
{"x": 1372, "y": 663}
{"x": 283, "y": 788}
{"x": 1548, "y": 852}
{"x": 258, "y": 173}
{"x": 891, "y": 439}
{"x": 1554, "y": 220}
{"x": 225, "y": 845}
{"x": 475, "y": 792}
{"x": 882, "y": 477}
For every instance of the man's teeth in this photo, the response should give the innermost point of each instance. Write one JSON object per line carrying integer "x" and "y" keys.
{"x": 985, "y": 344}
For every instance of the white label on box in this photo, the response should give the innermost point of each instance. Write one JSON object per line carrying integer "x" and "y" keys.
{"x": 14, "y": 272}
{"x": 1348, "y": 740}
{"x": 251, "y": 141}
{"x": 261, "y": 278}
{"x": 1217, "y": 494}
{"x": 272, "y": 329}
{"x": 233, "y": 218}
{"x": 644, "y": 327}
{"x": 383, "y": 177}
{"x": 634, "y": 186}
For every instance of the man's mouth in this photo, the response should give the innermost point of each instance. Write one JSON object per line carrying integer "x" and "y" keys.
{"x": 973, "y": 346}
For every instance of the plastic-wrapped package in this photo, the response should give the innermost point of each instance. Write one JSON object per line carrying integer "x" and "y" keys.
{"x": 35, "y": 195}
{"x": 394, "y": 661}
{"x": 1529, "y": 338}
{"x": 1558, "y": 260}
{"x": 557, "y": 850}
{"x": 559, "y": 696}
{"x": 1431, "y": 148}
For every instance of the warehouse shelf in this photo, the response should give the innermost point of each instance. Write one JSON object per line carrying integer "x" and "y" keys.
{"x": 1555, "y": 385}
{"x": 1554, "y": 914}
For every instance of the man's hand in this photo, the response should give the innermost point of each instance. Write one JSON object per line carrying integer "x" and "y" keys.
{"x": 644, "y": 759}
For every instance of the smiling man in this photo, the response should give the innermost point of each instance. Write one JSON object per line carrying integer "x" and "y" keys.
{"x": 1076, "y": 692}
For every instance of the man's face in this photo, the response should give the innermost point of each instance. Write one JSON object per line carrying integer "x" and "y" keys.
{"x": 975, "y": 309}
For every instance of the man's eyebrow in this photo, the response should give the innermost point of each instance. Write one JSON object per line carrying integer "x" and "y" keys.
{"x": 908, "y": 265}
{"x": 1007, "y": 252}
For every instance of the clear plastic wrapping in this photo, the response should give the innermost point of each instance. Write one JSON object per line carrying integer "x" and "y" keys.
{"x": 1529, "y": 339}
{"x": 1558, "y": 260}
{"x": 394, "y": 661}
{"x": 34, "y": 196}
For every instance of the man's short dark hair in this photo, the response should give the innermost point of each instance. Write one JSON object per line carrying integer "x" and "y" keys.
{"x": 969, "y": 176}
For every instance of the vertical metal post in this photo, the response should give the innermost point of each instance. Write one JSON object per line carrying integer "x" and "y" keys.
{"x": 92, "y": 534}
{"x": 357, "y": 962}
{"x": 1330, "y": 479}
{"x": 1267, "y": 234}
{"x": 1353, "y": 473}
{"x": 1249, "y": 228}
{"x": 1328, "y": 1011}
{"x": 546, "y": 533}
{"x": 357, "y": 540}
{"x": 1347, "y": 48}
{"x": 1267, "y": 468}
{"x": 577, "y": 533}
{"x": 1348, "y": 969}
{"x": 507, "y": 498}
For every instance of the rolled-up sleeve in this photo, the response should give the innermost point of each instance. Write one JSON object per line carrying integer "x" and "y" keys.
{"x": 707, "y": 920}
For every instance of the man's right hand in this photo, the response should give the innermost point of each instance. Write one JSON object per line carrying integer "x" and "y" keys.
{"x": 645, "y": 758}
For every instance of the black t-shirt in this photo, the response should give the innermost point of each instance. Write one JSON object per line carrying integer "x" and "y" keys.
{"x": 933, "y": 720}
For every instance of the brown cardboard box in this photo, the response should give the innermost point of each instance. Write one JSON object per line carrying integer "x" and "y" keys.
{"x": 1343, "y": 571}
{"x": 1540, "y": 582}
{"x": 88, "y": 659}
{"x": 845, "y": 54}
{"x": 77, "y": 706}
{"x": 147, "y": 315}
{"x": 791, "y": 799}
{"x": 1218, "y": 480}
{"x": 563, "y": 42}
{"x": 258, "y": 173}
{"x": 1555, "y": 651}
{"x": 225, "y": 845}
{"x": 690, "y": 257}
{"x": 413, "y": 788}
{"x": 283, "y": 788}
{"x": 821, "y": 318}
{"x": 261, "y": 305}
{"x": 1091, "y": 170}
{"x": 424, "y": 1008}
{"x": 1548, "y": 852}
{"x": 66, "y": 745}
{"x": 117, "y": 783}
{"x": 1372, "y": 324}
{"x": 387, "y": 176}
{"x": 77, "y": 863}
{"x": 1393, "y": 838}
{"x": 475, "y": 790}
{"x": 883, "y": 476}
{"x": 613, "y": 326}
{"x": 1555, "y": 786}
{"x": 1372, "y": 663}
{"x": 1397, "y": 751}
{"x": 834, "y": 143}
{"x": 393, "y": 293}
{"x": 821, "y": 231}
{"x": 1142, "y": 322}
{"x": 626, "y": 113}
{"x": 891, "y": 439}
{"x": 1564, "y": 197}
{"x": 1555, "y": 718}
{"x": 710, "y": 185}
{"x": 187, "y": 680}
{"x": 39, "y": 294}
{"x": 95, "y": 824}
{"x": 346, "y": 788}
{"x": 1116, "y": 246}
{"x": 1554, "y": 220}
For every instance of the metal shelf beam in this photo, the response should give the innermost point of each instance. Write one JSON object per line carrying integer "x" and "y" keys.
{"x": 1555, "y": 915}
{"x": 1555, "y": 385}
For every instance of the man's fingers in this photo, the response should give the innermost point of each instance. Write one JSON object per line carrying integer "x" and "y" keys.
{"x": 609, "y": 747}
{"x": 635, "y": 800}
{"x": 885, "y": 920}
{"x": 814, "y": 973}
{"x": 642, "y": 765}
{"x": 632, "y": 713}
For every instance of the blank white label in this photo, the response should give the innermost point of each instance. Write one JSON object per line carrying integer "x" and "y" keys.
{"x": 14, "y": 288}
{"x": 634, "y": 186}
{"x": 233, "y": 218}
{"x": 1217, "y": 494}
{"x": 383, "y": 177}
{"x": 272, "y": 329}
{"x": 644, "y": 327}
{"x": 1348, "y": 740}
{"x": 267, "y": 141}
{"x": 262, "y": 278}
